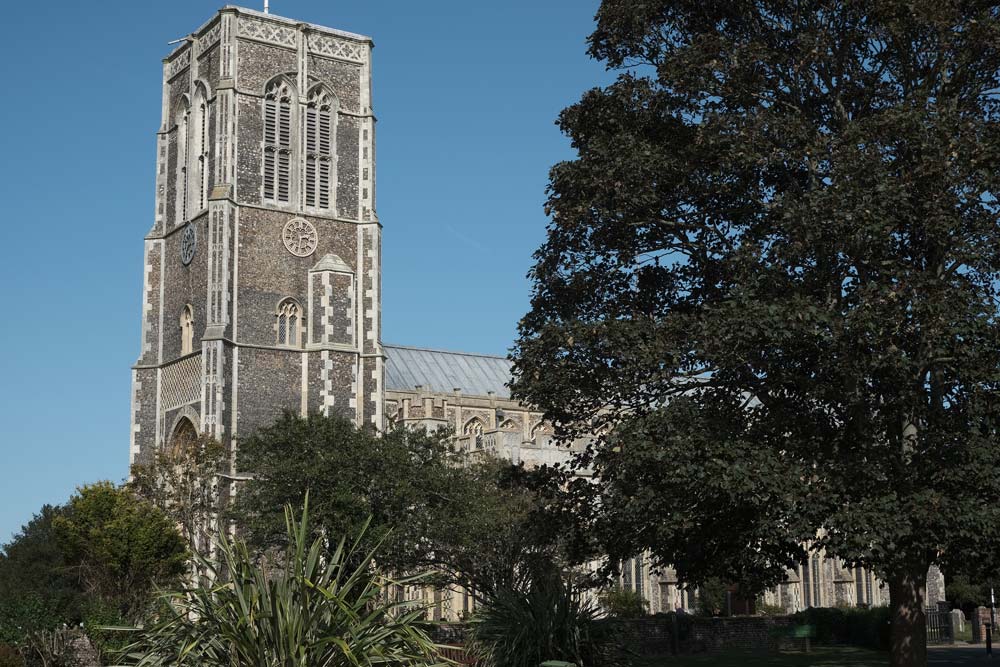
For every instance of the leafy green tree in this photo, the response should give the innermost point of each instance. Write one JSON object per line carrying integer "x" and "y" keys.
{"x": 773, "y": 269}
{"x": 712, "y": 597}
{"x": 620, "y": 602}
{"x": 428, "y": 506}
{"x": 120, "y": 547}
{"x": 37, "y": 590}
{"x": 183, "y": 481}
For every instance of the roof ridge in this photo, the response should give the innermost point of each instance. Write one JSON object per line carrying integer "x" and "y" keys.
{"x": 430, "y": 349}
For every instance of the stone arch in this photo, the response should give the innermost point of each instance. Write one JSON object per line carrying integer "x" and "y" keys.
{"x": 185, "y": 428}
{"x": 540, "y": 429}
{"x": 276, "y": 82}
{"x": 202, "y": 86}
{"x": 474, "y": 426}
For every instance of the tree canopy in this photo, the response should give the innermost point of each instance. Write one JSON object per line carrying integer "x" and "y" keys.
{"x": 773, "y": 269}
{"x": 183, "y": 482}
{"x": 119, "y": 547}
{"x": 37, "y": 590}
{"x": 426, "y": 504}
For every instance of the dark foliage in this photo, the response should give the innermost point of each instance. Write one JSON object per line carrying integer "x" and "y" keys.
{"x": 773, "y": 270}
{"x": 38, "y": 591}
{"x": 430, "y": 507}
{"x": 548, "y": 619}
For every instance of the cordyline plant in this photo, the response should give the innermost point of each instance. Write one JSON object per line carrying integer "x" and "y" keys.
{"x": 547, "y": 619}
{"x": 308, "y": 607}
{"x": 773, "y": 270}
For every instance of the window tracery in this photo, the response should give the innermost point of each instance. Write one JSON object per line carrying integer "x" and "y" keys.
{"x": 474, "y": 426}
{"x": 289, "y": 322}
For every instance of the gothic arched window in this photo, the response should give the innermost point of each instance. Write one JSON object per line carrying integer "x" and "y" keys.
{"x": 541, "y": 429}
{"x": 199, "y": 182}
{"x": 289, "y": 323}
{"x": 319, "y": 148}
{"x": 187, "y": 330}
{"x": 278, "y": 100}
{"x": 184, "y": 436}
{"x": 183, "y": 141}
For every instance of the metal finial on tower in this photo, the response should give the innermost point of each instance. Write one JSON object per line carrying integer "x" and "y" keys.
{"x": 267, "y": 6}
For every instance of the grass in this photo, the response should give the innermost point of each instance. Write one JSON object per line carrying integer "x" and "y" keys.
{"x": 965, "y": 634}
{"x": 818, "y": 657}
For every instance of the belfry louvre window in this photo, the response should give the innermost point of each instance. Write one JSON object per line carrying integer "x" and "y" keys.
{"x": 202, "y": 131}
{"x": 289, "y": 321}
{"x": 181, "y": 187}
{"x": 319, "y": 149}
{"x": 278, "y": 142}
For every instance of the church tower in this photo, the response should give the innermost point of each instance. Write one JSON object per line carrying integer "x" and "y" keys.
{"x": 262, "y": 276}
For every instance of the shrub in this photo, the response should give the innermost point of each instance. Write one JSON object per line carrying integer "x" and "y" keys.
{"x": 548, "y": 621}
{"x": 712, "y": 597}
{"x": 623, "y": 603}
{"x": 312, "y": 606}
{"x": 98, "y": 620}
{"x": 10, "y": 657}
{"x": 21, "y": 615}
{"x": 764, "y": 609}
{"x": 50, "y": 648}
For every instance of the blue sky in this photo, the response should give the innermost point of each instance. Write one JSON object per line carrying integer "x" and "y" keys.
{"x": 466, "y": 94}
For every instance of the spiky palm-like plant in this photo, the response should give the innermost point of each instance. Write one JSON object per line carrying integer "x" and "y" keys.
{"x": 310, "y": 608}
{"x": 548, "y": 620}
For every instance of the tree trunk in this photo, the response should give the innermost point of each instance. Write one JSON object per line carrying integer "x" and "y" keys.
{"x": 908, "y": 643}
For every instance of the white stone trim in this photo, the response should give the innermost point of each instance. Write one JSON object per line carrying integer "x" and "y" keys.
{"x": 134, "y": 426}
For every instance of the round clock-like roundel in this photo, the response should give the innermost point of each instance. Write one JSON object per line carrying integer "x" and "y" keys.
{"x": 189, "y": 243}
{"x": 300, "y": 237}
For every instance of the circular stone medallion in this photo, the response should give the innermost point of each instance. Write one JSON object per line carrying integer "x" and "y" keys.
{"x": 189, "y": 243}
{"x": 300, "y": 237}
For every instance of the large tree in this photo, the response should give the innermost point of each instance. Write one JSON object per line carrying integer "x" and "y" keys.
{"x": 773, "y": 267}
{"x": 38, "y": 591}
{"x": 467, "y": 518}
{"x": 118, "y": 546}
{"x": 183, "y": 481}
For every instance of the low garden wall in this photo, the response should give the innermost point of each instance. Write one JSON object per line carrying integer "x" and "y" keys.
{"x": 661, "y": 635}
{"x": 666, "y": 634}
